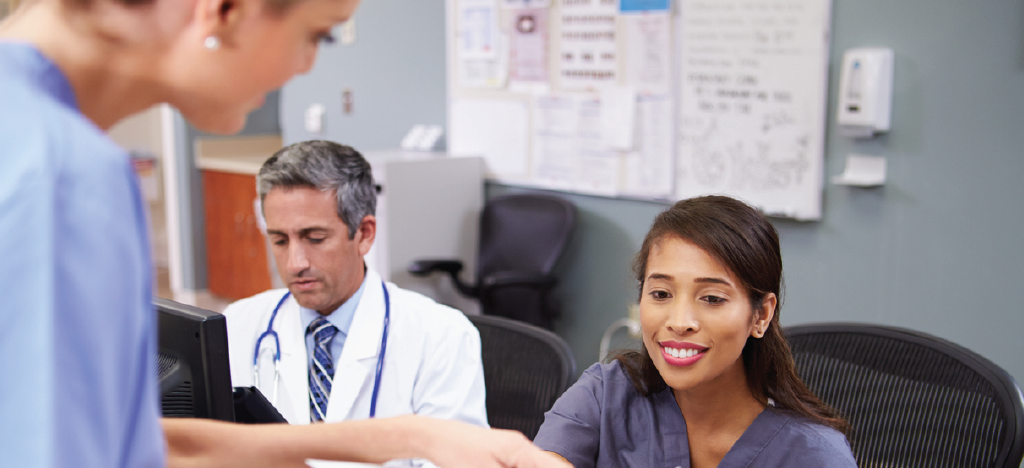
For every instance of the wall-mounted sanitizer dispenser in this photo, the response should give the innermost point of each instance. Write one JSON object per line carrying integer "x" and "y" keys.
{"x": 865, "y": 92}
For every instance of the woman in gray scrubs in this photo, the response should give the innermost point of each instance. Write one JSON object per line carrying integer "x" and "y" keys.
{"x": 714, "y": 384}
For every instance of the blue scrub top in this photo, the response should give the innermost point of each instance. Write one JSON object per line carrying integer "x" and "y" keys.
{"x": 78, "y": 385}
{"x": 602, "y": 421}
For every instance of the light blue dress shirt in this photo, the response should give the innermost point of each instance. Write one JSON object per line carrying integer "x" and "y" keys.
{"x": 78, "y": 383}
{"x": 340, "y": 318}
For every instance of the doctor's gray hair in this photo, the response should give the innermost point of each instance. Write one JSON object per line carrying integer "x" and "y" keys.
{"x": 324, "y": 165}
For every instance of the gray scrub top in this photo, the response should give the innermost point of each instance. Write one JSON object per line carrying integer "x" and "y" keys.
{"x": 602, "y": 421}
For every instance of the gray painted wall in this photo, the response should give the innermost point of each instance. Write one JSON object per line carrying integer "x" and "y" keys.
{"x": 938, "y": 249}
{"x": 395, "y": 71}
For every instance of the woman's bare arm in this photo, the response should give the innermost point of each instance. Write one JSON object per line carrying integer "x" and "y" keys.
{"x": 194, "y": 443}
{"x": 565, "y": 463}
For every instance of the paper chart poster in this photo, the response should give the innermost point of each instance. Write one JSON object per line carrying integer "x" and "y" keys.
{"x": 569, "y": 147}
{"x": 597, "y": 165}
{"x": 528, "y": 51}
{"x": 525, "y": 3}
{"x": 588, "y": 53}
{"x": 649, "y": 168}
{"x": 649, "y": 53}
{"x": 478, "y": 29}
{"x": 752, "y": 102}
{"x": 554, "y": 123}
{"x": 479, "y": 51}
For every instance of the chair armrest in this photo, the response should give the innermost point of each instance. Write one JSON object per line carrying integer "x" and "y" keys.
{"x": 507, "y": 278}
{"x": 451, "y": 267}
{"x": 426, "y": 267}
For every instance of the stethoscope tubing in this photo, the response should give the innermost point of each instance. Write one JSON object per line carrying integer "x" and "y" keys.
{"x": 277, "y": 354}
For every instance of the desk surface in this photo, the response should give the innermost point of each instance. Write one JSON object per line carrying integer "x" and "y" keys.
{"x": 237, "y": 155}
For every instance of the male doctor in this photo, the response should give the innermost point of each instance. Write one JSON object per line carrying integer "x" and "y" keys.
{"x": 337, "y": 317}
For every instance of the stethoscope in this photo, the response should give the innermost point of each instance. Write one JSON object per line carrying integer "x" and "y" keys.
{"x": 277, "y": 354}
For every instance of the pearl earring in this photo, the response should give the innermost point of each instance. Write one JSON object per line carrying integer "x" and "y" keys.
{"x": 212, "y": 42}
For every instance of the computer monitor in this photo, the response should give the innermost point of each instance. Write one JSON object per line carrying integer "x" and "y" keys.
{"x": 195, "y": 373}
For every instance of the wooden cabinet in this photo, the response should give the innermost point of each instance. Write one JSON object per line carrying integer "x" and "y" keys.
{"x": 236, "y": 254}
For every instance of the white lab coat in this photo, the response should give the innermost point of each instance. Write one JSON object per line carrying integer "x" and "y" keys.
{"x": 432, "y": 365}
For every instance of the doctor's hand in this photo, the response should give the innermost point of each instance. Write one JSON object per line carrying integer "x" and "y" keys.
{"x": 452, "y": 444}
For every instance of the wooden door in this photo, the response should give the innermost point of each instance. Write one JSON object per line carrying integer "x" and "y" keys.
{"x": 236, "y": 255}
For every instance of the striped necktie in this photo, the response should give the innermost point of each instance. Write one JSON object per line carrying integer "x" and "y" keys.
{"x": 321, "y": 367}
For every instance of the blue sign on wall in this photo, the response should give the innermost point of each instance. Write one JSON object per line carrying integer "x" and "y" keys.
{"x": 643, "y": 5}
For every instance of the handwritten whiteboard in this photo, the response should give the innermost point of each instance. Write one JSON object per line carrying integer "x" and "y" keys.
{"x": 752, "y": 103}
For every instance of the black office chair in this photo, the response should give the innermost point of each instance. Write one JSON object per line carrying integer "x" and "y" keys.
{"x": 914, "y": 400}
{"x": 526, "y": 368}
{"x": 521, "y": 237}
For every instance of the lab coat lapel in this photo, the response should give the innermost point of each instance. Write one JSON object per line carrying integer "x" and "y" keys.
{"x": 354, "y": 371}
{"x": 294, "y": 365}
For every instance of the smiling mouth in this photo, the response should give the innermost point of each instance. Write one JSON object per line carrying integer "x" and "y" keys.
{"x": 682, "y": 356}
{"x": 683, "y": 353}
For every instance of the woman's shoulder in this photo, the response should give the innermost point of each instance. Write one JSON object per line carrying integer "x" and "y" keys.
{"x": 811, "y": 443}
{"x": 609, "y": 376}
{"x": 603, "y": 388}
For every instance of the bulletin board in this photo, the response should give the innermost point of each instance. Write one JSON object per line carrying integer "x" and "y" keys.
{"x": 652, "y": 99}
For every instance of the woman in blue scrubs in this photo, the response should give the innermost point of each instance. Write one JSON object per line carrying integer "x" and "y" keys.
{"x": 714, "y": 384}
{"x": 77, "y": 329}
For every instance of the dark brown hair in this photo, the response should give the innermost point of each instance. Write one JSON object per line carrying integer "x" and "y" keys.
{"x": 746, "y": 243}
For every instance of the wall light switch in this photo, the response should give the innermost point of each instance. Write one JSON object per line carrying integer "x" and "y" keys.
{"x": 348, "y": 31}
{"x": 346, "y": 100}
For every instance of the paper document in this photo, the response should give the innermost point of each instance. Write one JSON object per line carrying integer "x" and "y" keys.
{"x": 618, "y": 115}
{"x": 650, "y": 168}
{"x": 588, "y": 55}
{"x": 477, "y": 28}
{"x": 597, "y": 165}
{"x": 524, "y": 3}
{"x": 528, "y": 51}
{"x": 554, "y": 151}
{"x": 648, "y": 46}
{"x": 482, "y": 51}
{"x": 494, "y": 129}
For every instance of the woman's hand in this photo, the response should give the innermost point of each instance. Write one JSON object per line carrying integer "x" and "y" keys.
{"x": 453, "y": 444}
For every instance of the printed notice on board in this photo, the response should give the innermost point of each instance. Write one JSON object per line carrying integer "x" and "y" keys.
{"x": 649, "y": 167}
{"x": 570, "y": 151}
{"x": 524, "y": 3}
{"x": 554, "y": 132}
{"x": 752, "y": 102}
{"x": 481, "y": 61}
{"x": 588, "y": 55}
{"x": 528, "y": 53}
{"x": 649, "y": 49}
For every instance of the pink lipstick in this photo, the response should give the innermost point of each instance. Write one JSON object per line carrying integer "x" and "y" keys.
{"x": 681, "y": 354}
